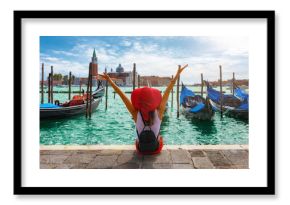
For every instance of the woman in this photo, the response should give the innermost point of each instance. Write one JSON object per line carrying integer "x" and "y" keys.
{"x": 147, "y": 107}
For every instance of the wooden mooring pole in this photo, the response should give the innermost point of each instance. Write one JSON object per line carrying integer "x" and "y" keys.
{"x": 69, "y": 86}
{"x": 134, "y": 75}
{"x": 221, "y": 91}
{"x": 115, "y": 92}
{"x": 172, "y": 94}
{"x": 88, "y": 89}
{"x": 106, "y": 105}
{"x": 48, "y": 82}
{"x": 51, "y": 81}
{"x": 91, "y": 92}
{"x": 177, "y": 93}
{"x": 201, "y": 76}
{"x": 42, "y": 76}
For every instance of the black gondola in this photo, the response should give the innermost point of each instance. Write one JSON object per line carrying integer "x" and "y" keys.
{"x": 194, "y": 105}
{"x": 65, "y": 110}
{"x": 98, "y": 92}
{"x": 236, "y": 105}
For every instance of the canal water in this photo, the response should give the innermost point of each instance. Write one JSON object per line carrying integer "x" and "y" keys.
{"x": 115, "y": 126}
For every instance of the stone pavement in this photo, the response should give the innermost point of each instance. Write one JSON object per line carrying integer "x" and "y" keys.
{"x": 125, "y": 157}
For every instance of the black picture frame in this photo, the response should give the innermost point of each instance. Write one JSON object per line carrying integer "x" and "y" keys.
{"x": 268, "y": 190}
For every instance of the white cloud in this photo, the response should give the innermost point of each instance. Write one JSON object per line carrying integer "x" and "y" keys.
{"x": 64, "y": 53}
{"x": 126, "y": 43}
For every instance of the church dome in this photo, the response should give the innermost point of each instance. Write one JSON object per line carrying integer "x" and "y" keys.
{"x": 119, "y": 69}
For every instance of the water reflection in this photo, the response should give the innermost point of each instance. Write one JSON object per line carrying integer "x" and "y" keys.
{"x": 205, "y": 130}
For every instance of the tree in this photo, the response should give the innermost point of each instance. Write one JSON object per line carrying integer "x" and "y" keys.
{"x": 57, "y": 76}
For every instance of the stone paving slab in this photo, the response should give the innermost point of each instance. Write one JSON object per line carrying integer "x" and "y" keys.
{"x": 128, "y": 166}
{"x": 56, "y": 152}
{"x": 180, "y": 156}
{"x": 129, "y": 156}
{"x": 156, "y": 166}
{"x": 202, "y": 163}
{"x": 103, "y": 162}
{"x": 196, "y": 153}
{"x": 48, "y": 166}
{"x": 217, "y": 158}
{"x": 237, "y": 157}
{"x": 78, "y": 158}
{"x": 162, "y": 158}
{"x": 182, "y": 166}
{"x": 125, "y": 157}
{"x": 53, "y": 159}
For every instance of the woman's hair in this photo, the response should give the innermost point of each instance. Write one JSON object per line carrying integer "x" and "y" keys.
{"x": 150, "y": 121}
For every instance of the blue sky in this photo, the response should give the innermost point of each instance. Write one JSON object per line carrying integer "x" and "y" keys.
{"x": 153, "y": 55}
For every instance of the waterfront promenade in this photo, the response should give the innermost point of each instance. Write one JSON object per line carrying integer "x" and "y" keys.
{"x": 125, "y": 157}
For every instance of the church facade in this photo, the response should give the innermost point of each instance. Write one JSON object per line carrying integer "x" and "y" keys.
{"x": 125, "y": 78}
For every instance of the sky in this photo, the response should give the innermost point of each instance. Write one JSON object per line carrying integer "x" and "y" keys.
{"x": 153, "y": 55}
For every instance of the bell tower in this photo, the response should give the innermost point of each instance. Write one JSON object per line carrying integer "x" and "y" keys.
{"x": 94, "y": 65}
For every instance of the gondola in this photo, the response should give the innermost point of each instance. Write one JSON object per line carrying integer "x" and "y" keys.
{"x": 236, "y": 105}
{"x": 76, "y": 106}
{"x": 100, "y": 91}
{"x": 194, "y": 105}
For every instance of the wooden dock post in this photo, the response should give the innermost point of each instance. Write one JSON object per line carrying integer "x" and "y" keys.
{"x": 177, "y": 93}
{"x": 138, "y": 81}
{"x": 134, "y": 75}
{"x": 48, "y": 80}
{"x": 91, "y": 97}
{"x": 221, "y": 91}
{"x": 172, "y": 94}
{"x": 106, "y": 105}
{"x": 88, "y": 89}
{"x": 51, "y": 81}
{"x": 201, "y": 76}
{"x": 69, "y": 86}
{"x": 42, "y": 76}
{"x": 233, "y": 83}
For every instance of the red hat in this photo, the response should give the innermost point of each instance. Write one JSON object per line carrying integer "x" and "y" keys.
{"x": 146, "y": 100}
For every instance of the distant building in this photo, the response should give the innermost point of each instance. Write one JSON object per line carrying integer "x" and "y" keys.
{"x": 154, "y": 81}
{"x": 120, "y": 69}
{"x": 230, "y": 82}
{"x": 82, "y": 81}
{"x": 55, "y": 82}
{"x": 122, "y": 77}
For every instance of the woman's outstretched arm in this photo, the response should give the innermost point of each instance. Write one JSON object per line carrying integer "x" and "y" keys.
{"x": 167, "y": 92}
{"x": 126, "y": 101}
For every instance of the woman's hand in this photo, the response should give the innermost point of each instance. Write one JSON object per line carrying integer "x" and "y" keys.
{"x": 179, "y": 71}
{"x": 105, "y": 76}
{"x": 182, "y": 68}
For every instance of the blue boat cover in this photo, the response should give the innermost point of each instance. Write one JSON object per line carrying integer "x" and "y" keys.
{"x": 185, "y": 92}
{"x": 241, "y": 94}
{"x": 48, "y": 105}
{"x": 197, "y": 108}
{"x": 213, "y": 94}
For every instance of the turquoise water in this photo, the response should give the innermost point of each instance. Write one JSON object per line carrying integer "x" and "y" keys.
{"x": 115, "y": 126}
